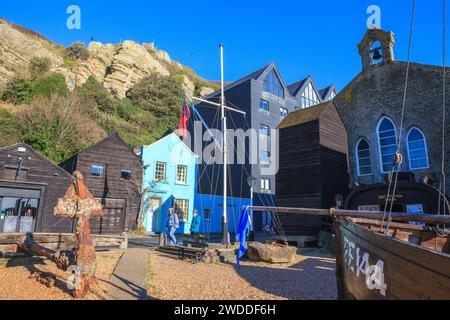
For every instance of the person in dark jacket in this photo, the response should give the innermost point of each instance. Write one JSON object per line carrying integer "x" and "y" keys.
{"x": 195, "y": 223}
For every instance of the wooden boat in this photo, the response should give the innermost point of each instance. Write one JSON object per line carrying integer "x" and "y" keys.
{"x": 413, "y": 262}
{"x": 407, "y": 262}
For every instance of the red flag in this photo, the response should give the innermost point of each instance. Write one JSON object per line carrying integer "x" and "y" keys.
{"x": 185, "y": 115}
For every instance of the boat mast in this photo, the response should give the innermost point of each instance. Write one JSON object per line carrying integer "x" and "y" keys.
{"x": 225, "y": 233}
{"x": 223, "y": 107}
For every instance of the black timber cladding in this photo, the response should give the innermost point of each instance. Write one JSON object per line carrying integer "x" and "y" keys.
{"x": 38, "y": 178}
{"x": 119, "y": 196}
{"x": 313, "y": 164}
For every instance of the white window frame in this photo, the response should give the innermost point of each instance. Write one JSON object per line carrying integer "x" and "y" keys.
{"x": 165, "y": 171}
{"x": 178, "y": 174}
{"x": 284, "y": 109}
{"x": 426, "y": 149}
{"x": 98, "y": 166}
{"x": 263, "y": 184}
{"x": 380, "y": 156}
{"x": 264, "y": 101}
{"x": 357, "y": 158}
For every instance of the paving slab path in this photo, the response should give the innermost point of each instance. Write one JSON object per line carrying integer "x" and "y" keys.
{"x": 129, "y": 279}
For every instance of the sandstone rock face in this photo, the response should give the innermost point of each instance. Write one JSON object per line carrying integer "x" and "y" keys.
{"x": 164, "y": 56}
{"x": 17, "y": 49}
{"x": 117, "y": 66}
{"x": 271, "y": 253}
{"x": 206, "y": 91}
{"x": 131, "y": 63}
{"x": 188, "y": 86}
{"x": 100, "y": 59}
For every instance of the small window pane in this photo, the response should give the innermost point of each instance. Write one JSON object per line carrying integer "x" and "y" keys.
{"x": 125, "y": 174}
{"x": 97, "y": 170}
{"x": 265, "y": 184}
{"x": 264, "y": 105}
{"x": 160, "y": 171}
{"x": 181, "y": 174}
{"x": 283, "y": 113}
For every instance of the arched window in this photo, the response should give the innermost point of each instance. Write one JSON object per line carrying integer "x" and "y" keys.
{"x": 387, "y": 141}
{"x": 417, "y": 150}
{"x": 364, "y": 158}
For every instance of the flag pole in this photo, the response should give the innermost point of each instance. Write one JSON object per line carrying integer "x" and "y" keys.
{"x": 225, "y": 233}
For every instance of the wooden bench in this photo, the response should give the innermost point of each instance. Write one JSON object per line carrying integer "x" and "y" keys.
{"x": 181, "y": 252}
{"x": 195, "y": 238}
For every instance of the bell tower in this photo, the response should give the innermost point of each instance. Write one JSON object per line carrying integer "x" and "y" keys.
{"x": 376, "y": 46}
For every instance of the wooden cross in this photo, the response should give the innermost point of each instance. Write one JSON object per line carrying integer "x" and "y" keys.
{"x": 79, "y": 204}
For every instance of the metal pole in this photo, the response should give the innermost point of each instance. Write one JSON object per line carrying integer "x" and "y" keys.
{"x": 251, "y": 204}
{"x": 225, "y": 233}
{"x": 396, "y": 216}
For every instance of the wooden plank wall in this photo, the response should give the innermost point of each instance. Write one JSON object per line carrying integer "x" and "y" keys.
{"x": 114, "y": 156}
{"x": 298, "y": 179}
{"x": 313, "y": 169}
{"x": 42, "y": 174}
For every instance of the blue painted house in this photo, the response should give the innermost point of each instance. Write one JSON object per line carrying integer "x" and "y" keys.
{"x": 170, "y": 174}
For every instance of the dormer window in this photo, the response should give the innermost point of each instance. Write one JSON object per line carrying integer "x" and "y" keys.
{"x": 309, "y": 97}
{"x": 272, "y": 84}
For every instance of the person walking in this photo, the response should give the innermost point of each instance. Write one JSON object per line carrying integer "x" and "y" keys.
{"x": 195, "y": 223}
{"x": 172, "y": 224}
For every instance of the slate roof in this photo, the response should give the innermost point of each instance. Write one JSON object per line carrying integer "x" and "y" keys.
{"x": 254, "y": 75}
{"x": 325, "y": 92}
{"x": 295, "y": 87}
{"x": 305, "y": 115}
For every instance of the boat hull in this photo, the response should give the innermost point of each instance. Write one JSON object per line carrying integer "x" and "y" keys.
{"x": 371, "y": 266}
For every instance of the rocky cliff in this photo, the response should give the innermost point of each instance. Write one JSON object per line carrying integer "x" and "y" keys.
{"x": 117, "y": 66}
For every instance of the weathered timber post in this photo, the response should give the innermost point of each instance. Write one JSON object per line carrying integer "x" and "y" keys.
{"x": 79, "y": 204}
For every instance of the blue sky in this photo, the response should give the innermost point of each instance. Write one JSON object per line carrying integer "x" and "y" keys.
{"x": 314, "y": 37}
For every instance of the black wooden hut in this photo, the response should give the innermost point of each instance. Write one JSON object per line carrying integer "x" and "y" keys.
{"x": 30, "y": 186}
{"x": 113, "y": 174}
{"x": 313, "y": 164}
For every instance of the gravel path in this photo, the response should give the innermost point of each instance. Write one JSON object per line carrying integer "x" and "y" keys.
{"x": 16, "y": 285}
{"x": 310, "y": 276}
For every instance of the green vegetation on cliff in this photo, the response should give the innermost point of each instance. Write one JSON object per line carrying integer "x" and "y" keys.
{"x": 59, "y": 123}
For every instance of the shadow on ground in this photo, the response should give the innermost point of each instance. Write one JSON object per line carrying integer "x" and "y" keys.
{"x": 32, "y": 265}
{"x": 133, "y": 290}
{"x": 312, "y": 279}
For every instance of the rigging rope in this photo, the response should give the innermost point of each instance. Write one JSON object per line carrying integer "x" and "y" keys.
{"x": 265, "y": 203}
{"x": 444, "y": 76}
{"x": 398, "y": 159}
